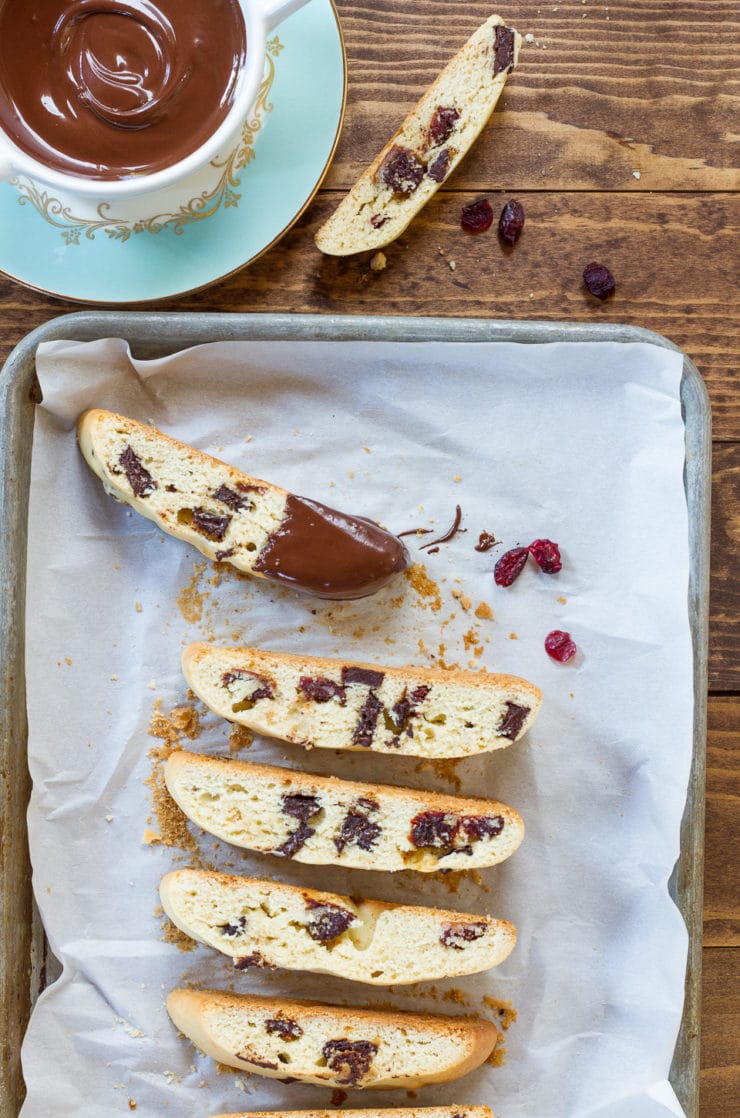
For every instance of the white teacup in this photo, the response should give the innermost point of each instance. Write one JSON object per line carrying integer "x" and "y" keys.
{"x": 187, "y": 189}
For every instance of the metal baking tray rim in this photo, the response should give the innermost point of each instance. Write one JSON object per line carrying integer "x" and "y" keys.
{"x": 151, "y": 333}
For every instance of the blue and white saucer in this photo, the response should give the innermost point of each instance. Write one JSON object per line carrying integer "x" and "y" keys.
{"x": 287, "y": 145}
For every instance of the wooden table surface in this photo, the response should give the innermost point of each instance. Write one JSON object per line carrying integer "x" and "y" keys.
{"x": 617, "y": 133}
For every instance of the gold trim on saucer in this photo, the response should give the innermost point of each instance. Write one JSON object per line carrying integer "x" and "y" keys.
{"x": 204, "y": 205}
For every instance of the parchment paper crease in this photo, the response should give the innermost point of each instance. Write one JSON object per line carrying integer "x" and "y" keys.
{"x": 579, "y": 443}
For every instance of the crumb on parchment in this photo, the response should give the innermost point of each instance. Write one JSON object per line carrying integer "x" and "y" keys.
{"x": 182, "y": 722}
{"x": 425, "y": 587}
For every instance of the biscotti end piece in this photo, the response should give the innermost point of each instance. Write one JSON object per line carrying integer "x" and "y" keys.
{"x": 325, "y": 821}
{"x": 428, "y": 146}
{"x": 327, "y": 1045}
{"x": 414, "y": 1112}
{"x": 232, "y": 517}
{"x": 341, "y": 704}
{"x": 260, "y": 923}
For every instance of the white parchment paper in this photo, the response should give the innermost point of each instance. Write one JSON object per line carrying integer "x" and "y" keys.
{"x": 581, "y": 443}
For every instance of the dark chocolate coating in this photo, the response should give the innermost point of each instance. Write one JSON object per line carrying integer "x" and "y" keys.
{"x": 330, "y": 554}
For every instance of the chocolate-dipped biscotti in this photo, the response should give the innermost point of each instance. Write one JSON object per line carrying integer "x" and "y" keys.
{"x": 232, "y": 517}
{"x": 267, "y": 924}
{"x": 428, "y": 146}
{"x": 325, "y": 821}
{"x": 336, "y": 704}
{"x": 330, "y": 1045}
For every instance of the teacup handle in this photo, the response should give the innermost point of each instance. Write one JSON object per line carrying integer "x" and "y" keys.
{"x": 275, "y": 11}
{"x": 6, "y": 164}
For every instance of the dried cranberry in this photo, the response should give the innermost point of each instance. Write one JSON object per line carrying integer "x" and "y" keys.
{"x": 400, "y": 170}
{"x": 350, "y": 1060}
{"x": 477, "y": 216}
{"x": 547, "y": 556}
{"x": 503, "y": 49}
{"x": 559, "y": 646}
{"x": 321, "y": 690}
{"x": 328, "y": 921}
{"x": 438, "y": 168}
{"x": 378, "y": 220}
{"x": 511, "y": 222}
{"x": 419, "y": 694}
{"x": 482, "y": 826}
{"x": 284, "y": 1027}
{"x": 599, "y": 280}
{"x": 434, "y": 829}
{"x": 457, "y": 935}
{"x": 253, "y": 960}
{"x": 510, "y": 566}
{"x": 442, "y": 124}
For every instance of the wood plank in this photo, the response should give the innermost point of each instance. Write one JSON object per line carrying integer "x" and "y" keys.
{"x": 604, "y": 90}
{"x": 722, "y": 860}
{"x": 720, "y": 1040}
{"x": 724, "y": 653}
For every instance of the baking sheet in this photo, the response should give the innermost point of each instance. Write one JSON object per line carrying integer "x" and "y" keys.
{"x": 481, "y": 447}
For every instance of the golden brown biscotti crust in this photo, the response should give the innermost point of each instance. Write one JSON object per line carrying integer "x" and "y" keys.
{"x": 372, "y": 214}
{"x": 333, "y": 1046}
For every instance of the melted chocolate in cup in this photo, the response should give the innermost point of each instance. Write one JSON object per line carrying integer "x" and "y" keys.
{"x": 330, "y": 554}
{"x": 108, "y": 89}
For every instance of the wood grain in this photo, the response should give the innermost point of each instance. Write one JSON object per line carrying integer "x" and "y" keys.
{"x": 720, "y": 1041}
{"x": 604, "y": 90}
{"x": 724, "y": 652}
{"x": 722, "y": 857}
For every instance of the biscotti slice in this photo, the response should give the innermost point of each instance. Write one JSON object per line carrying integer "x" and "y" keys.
{"x": 414, "y": 1112}
{"x": 267, "y": 924}
{"x": 330, "y": 1045}
{"x": 232, "y": 517}
{"x": 428, "y": 146}
{"x": 325, "y": 821}
{"x": 337, "y": 704}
